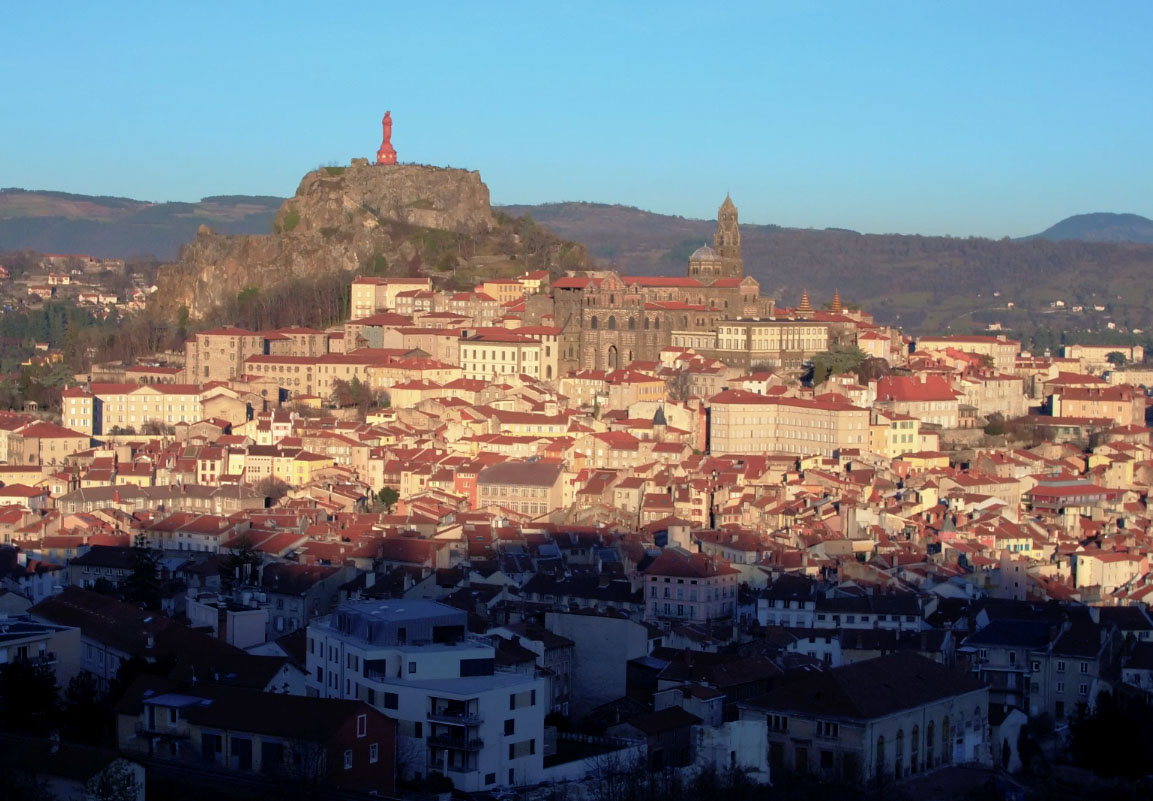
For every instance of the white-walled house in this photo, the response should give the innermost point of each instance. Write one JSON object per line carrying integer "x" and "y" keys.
{"x": 456, "y": 713}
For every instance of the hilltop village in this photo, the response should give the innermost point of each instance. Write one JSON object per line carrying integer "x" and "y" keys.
{"x": 567, "y": 530}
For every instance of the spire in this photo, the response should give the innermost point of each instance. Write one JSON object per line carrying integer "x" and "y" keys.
{"x": 804, "y": 307}
{"x": 836, "y": 308}
{"x": 727, "y": 240}
{"x": 659, "y": 417}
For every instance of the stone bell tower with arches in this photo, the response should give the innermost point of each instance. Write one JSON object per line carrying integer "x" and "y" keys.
{"x": 723, "y": 259}
{"x": 727, "y": 241}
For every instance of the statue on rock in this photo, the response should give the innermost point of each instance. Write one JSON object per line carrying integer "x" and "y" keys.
{"x": 387, "y": 153}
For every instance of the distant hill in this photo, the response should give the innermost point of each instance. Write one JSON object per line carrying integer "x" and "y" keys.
{"x": 924, "y": 283}
{"x": 1101, "y": 227}
{"x": 116, "y": 227}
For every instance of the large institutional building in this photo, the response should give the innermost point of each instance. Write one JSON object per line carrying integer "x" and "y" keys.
{"x": 609, "y": 320}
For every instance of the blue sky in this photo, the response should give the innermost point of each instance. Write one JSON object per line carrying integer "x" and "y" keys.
{"x": 962, "y": 118}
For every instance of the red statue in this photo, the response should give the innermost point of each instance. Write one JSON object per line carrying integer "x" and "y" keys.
{"x": 387, "y": 153}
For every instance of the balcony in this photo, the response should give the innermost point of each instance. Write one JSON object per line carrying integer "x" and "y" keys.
{"x": 455, "y": 718}
{"x": 42, "y": 658}
{"x": 178, "y": 732}
{"x": 456, "y": 743}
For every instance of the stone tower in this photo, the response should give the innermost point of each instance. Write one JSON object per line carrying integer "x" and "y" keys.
{"x": 727, "y": 241}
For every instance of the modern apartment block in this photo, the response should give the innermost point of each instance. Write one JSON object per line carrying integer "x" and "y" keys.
{"x": 456, "y": 713}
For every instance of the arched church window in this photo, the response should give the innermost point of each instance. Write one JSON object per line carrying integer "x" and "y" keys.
{"x": 632, "y": 324}
{"x": 612, "y": 323}
{"x": 646, "y": 323}
{"x": 593, "y": 322}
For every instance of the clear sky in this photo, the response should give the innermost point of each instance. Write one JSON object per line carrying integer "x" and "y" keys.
{"x": 986, "y": 118}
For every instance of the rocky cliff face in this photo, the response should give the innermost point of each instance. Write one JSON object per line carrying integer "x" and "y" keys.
{"x": 341, "y": 220}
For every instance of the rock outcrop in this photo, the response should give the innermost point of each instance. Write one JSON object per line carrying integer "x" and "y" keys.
{"x": 341, "y": 220}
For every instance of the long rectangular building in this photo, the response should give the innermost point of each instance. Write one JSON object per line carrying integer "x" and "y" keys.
{"x": 745, "y": 422}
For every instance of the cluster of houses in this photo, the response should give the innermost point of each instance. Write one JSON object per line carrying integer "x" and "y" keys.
{"x": 521, "y": 564}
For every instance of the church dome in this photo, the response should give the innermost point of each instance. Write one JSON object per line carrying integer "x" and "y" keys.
{"x": 704, "y": 253}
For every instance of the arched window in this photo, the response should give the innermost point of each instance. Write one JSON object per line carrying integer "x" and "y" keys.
{"x": 685, "y": 321}
{"x": 612, "y": 322}
{"x": 593, "y": 322}
{"x": 646, "y": 323}
{"x": 657, "y": 323}
{"x": 945, "y": 749}
{"x": 929, "y": 732}
{"x": 632, "y": 324}
{"x": 899, "y": 758}
{"x": 880, "y": 771}
{"x": 915, "y": 749}
{"x": 548, "y": 371}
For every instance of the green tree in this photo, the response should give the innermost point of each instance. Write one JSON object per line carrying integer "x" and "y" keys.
{"x": 388, "y": 498}
{"x": 836, "y": 360}
{"x": 1116, "y": 358}
{"x": 142, "y": 585}
{"x": 1113, "y": 738}
{"x": 241, "y": 566}
{"x": 86, "y": 716}
{"x": 117, "y": 782}
{"x": 28, "y": 699}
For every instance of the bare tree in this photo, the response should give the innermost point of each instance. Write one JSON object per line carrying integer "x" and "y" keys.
{"x": 679, "y": 386}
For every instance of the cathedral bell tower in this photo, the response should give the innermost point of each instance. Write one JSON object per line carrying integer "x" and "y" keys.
{"x": 727, "y": 241}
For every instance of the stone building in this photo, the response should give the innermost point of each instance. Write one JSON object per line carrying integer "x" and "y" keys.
{"x": 609, "y": 320}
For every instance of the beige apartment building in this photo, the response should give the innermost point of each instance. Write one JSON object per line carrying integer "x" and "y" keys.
{"x": 874, "y": 721}
{"x": 744, "y": 422}
{"x": 892, "y": 434}
{"x": 370, "y": 295}
{"x": 503, "y": 290}
{"x": 1095, "y": 358}
{"x": 530, "y": 488}
{"x": 1123, "y": 405}
{"x": 489, "y": 354}
{"x": 219, "y": 354}
{"x": 102, "y": 407}
{"x": 1000, "y": 349}
{"x": 764, "y": 343}
{"x": 297, "y": 341}
{"x": 44, "y": 443}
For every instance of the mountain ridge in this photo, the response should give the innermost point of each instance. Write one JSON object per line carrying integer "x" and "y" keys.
{"x": 1100, "y": 226}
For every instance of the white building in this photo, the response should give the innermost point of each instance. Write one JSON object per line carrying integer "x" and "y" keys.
{"x": 456, "y": 713}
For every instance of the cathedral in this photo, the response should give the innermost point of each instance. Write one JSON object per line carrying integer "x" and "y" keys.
{"x": 608, "y": 320}
{"x": 723, "y": 259}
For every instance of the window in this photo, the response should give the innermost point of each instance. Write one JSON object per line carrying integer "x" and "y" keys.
{"x": 1060, "y": 666}
{"x": 828, "y": 729}
{"x": 373, "y": 752}
{"x": 1035, "y": 667}
{"x": 1060, "y": 686}
{"x": 510, "y": 726}
{"x": 348, "y": 759}
{"x": 1082, "y": 689}
{"x": 391, "y": 701}
{"x": 490, "y": 778}
{"x": 778, "y": 722}
{"x": 1084, "y": 667}
{"x": 361, "y": 725}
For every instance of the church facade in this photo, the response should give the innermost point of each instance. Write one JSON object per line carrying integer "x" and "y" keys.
{"x": 608, "y": 320}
